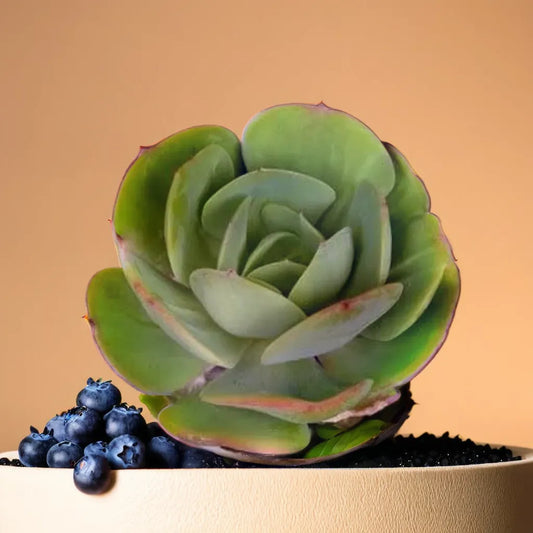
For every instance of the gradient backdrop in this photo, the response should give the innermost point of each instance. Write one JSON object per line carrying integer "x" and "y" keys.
{"x": 83, "y": 84}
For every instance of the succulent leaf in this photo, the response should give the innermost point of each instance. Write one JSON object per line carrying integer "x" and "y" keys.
{"x": 369, "y": 216}
{"x": 282, "y": 274}
{"x": 419, "y": 267}
{"x": 203, "y": 424}
{"x": 278, "y": 217}
{"x": 179, "y": 314}
{"x": 139, "y": 212}
{"x": 297, "y": 391}
{"x": 332, "y": 327}
{"x": 395, "y": 362}
{"x": 409, "y": 198}
{"x": 317, "y": 140}
{"x": 328, "y": 431}
{"x": 233, "y": 245}
{"x": 295, "y": 190}
{"x": 155, "y": 404}
{"x": 275, "y": 247}
{"x": 326, "y": 273}
{"x": 364, "y": 432}
{"x": 241, "y": 307}
{"x": 266, "y": 285}
{"x": 194, "y": 182}
{"x": 149, "y": 360}
{"x": 299, "y": 410}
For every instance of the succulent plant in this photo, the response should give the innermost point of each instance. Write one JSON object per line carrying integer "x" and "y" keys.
{"x": 277, "y": 294}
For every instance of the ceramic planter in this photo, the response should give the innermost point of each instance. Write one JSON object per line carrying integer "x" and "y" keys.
{"x": 493, "y": 498}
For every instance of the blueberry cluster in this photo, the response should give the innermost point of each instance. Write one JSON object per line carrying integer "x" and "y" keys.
{"x": 102, "y": 434}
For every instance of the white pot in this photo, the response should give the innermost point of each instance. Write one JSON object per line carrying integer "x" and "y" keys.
{"x": 492, "y": 498}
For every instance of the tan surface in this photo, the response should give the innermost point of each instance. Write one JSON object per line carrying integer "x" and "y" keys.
{"x": 83, "y": 84}
{"x": 473, "y": 499}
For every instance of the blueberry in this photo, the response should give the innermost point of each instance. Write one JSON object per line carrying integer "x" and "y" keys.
{"x": 196, "y": 458}
{"x": 99, "y": 395}
{"x": 92, "y": 474}
{"x": 64, "y": 454}
{"x": 96, "y": 448}
{"x": 33, "y": 448}
{"x": 163, "y": 452}
{"x": 125, "y": 420}
{"x": 126, "y": 451}
{"x": 83, "y": 425}
{"x": 57, "y": 424}
{"x": 153, "y": 429}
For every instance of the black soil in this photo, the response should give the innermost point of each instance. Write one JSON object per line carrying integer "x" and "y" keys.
{"x": 425, "y": 450}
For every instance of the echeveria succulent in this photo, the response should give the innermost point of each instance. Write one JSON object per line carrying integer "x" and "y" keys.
{"x": 277, "y": 294}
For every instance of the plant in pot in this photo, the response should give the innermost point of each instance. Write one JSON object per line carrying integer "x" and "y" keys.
{"x": 276, "y": 296}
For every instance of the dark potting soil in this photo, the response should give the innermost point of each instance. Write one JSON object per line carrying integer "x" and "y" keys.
{"x": 399, "y": 451}
{"x": 425, "y": 450}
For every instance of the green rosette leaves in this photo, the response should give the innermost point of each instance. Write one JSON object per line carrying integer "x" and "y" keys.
{"x": 276, "y": 294}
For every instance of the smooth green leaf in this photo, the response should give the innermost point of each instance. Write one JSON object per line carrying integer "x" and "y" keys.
{"x": 297, "y": 391}
{"x": 395, "y": 362}
{"x": 203, "y": 424}
{"x": 321, "y": 142}
{"x": 369, "y": 217}
{"x": 175, "y": 309}
{"x": 265, "y": 284}
{"x": 134, "y": 346}
{"x": 278, "y": 217}
{"x": 327, "y": 431}
{"x": 234, "y": 243}
{"x": 364, "y": 432}
{"x": 326, "y": 274}
{"x": 241, "y": 307}
{"x": 297, "y": 191}
{"x": 332, "y": 327}
{"x": 139, "y": 213}
{"x": 273, "y": 248}
{"x": 197, "y": 179}
{"x": 409, "y": 198}
{"x": 281, "y": 274}
{"x": 155, "y": 404}
{"x": 419, "y": 268}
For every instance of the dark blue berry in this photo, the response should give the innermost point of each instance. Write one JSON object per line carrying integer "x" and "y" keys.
{"x": 83, "y": 425}
{"x": 57, "y": 425}
{"x": 126, "y": 451}
{"x": 124, "y": 420}
{"x": 92, "y": 474}
{"x": 196, "y": 458}
{"x": 153, "y": 429}
{"x": 163, "y": 452}
{"x": 33, "y": 448}
{"x": 99, "y": 395}
{"x": 96, "y": 448}
{"x": 64, "y": 454}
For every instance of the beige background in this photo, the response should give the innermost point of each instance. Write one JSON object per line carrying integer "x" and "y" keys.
{"x": 83, "y": 84}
